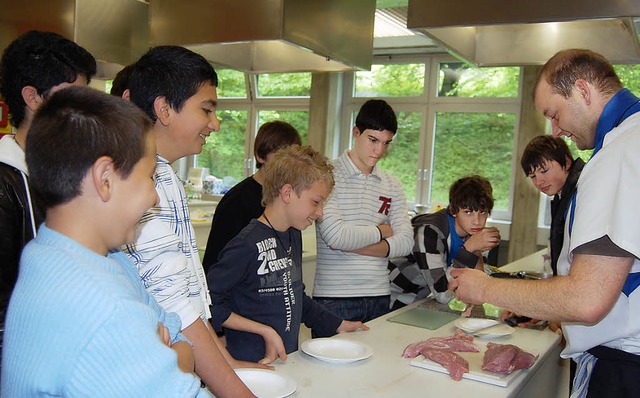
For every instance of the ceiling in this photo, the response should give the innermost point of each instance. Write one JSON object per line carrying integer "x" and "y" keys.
{"x": 391, "y": 35}
{"x": 333, "y": 34}
{"x": 504, "y": 32}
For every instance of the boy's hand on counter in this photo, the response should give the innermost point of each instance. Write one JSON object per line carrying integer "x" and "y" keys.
{"x": 274, "y": 347}
{"x": 350, "y": 326}
{"x": 253, "y": 365}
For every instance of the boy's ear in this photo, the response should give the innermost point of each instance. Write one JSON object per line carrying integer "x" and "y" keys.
{"x": 161, "y": 107}
{"x": 356, "y": 132}
{"x": 102, "y": 174}
{"x": 31, "y": 97}
{"x": 285, "y": 193}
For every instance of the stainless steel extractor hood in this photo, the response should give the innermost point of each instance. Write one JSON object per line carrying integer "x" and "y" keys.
{"x": 262, "y": 36}
{"x": 508, "y": 32}
{"x": 115, "y": 32}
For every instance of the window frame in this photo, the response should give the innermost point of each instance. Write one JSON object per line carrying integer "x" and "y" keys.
{"x": 430, "y": 104}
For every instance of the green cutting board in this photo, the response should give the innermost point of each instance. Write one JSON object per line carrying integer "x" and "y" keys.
{"x": 424, "y": 318}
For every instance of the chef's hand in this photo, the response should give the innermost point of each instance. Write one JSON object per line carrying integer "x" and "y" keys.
{"x": 350, "y": 326}
{"x": 485, "y": 239}
{"x": 274, "y": 347}
{"x": 469, "y": 284}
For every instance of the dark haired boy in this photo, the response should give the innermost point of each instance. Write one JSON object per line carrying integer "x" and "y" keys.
{"x": 80, "y": 323}
{"x": 450, "y": 238}
{"x": 33, "y": 67}
{"x": 120, "y": 83}
{"x": 365, "y": 222}
{"x": 177, "y": 89}
{"x": 243, "y": 202}
{"x": 548, "y": 162}
{"x": 256, "y": 286}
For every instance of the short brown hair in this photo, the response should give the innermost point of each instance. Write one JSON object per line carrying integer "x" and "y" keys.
{"x": 473, "y": 193}
{"x": 563, "y": 69}
{"x": 542, "y": 149}
{"x": 300, "y": 166}
{"x": 73, "y": 129}
{"x": 273, "y": 136}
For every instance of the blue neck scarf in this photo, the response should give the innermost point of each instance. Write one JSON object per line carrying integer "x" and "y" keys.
{"x": 620, "y": 106}
{"x": 456, "y": 241}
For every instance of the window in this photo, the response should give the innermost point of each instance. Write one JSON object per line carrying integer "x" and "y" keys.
{"x": 395, "y": 80}
{"x": 224, "y": 152}
{"x": 284, "y": 85}
{"x": 298, "y": 119}
{"x": 231, "y": 84}
{"x": 454, "y": 119}
{"x": 473, "y": 143}
{"x": 244, "y": 103}
{"x": 457, "y": 79}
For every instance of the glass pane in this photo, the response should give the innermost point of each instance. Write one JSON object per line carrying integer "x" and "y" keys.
{"x": 231, "y": 84}
{"x": 473, "y": 143}
{"x": 402, "y": 80}
{"x": 224, "y": 152}
{"x": 458, "y": 79}
{"x": 298, "y": 119}
{"x": 401, "y": 159}
{"x": 284, "y": 85}
{"x": 629, "y": 76}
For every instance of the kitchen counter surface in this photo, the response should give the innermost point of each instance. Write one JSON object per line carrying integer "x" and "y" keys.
{"x": 387, "y": 374}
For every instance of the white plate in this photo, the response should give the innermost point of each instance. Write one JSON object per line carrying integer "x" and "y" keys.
{"x": 336, "y": 350}
{"x": 266, "y": 383}
{"x": 484, "y": 328}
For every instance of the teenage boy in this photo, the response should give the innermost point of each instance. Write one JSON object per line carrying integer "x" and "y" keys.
{"x": 257, "y": 290}
{"x": 365, "y": 222}
{"x": 80, "y": 323}
{"x": 33, "y": 67}
{"x": 547, "y": 161}
{"x": 177, "y": 89}
{"x": 243, "y": 202}
{"x": 452, "y": 237}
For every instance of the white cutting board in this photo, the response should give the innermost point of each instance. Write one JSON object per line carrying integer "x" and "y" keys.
{"x": 475, "y": 364}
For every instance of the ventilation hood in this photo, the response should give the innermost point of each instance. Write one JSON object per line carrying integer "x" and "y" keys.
{"x": 115, "y": 32}
{"x": 262, "y": 36}
{"x": 508, "y": 32}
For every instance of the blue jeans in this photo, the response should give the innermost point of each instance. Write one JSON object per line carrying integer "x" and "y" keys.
{"x": 357, "y": 308}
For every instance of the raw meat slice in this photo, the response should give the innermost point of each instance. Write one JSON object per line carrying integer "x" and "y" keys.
{"x": 505, "y": 358}
{"x": 454, "y": 363}
{"x": 459, "y": 342}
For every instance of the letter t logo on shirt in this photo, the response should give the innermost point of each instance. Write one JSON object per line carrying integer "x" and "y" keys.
{"x": 386, "y": 205}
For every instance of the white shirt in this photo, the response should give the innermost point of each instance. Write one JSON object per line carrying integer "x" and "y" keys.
{"x": 606, "y": 204}
{"x": 166, "y": 252}
{"x": 356, "y": 206}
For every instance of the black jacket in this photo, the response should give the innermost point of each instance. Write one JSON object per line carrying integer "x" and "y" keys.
{"x": 559, "y": 206}
{"x": 15, "y": 227}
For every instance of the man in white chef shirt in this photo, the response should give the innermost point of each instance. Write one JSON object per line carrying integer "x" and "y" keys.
{"x": 596, "y": 295}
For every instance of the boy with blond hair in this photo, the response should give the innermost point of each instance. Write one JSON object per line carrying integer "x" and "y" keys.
{"x": 256, "y": 286}
{"x": 80, "y": 322}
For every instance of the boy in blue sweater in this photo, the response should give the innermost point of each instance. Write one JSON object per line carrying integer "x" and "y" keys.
{"x": 80, "y": 323}
{"x": 256, "y": 286}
